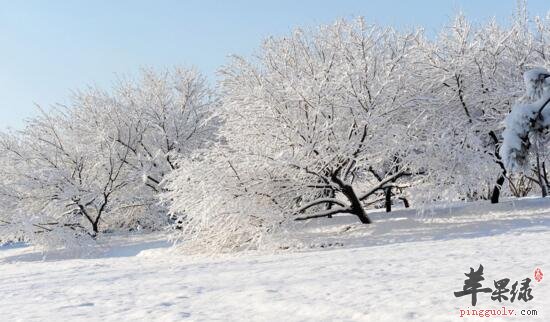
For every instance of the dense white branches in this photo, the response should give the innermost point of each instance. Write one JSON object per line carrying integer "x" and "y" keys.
{"x": 320, "y": 123}
{"x": 101, "y": 160}
{"x": 336, "y": 120}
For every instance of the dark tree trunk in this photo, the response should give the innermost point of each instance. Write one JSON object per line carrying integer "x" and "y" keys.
{"x": 496, "y": 190}
{"x": 331, "y": 194}
{"x": 356, "y": 207}
{"x": 542, "y": 183}
{"x": 387, "y": 202}
{"x": 355, "y": 204}
{"x": 495, "y": 196}
{"x": 545, "y": 174}
{"x": 361, "y": 214}
{"x": 95, "y": 227}
{"x": 95, "y": 223}
{"x": 405, "y": 202}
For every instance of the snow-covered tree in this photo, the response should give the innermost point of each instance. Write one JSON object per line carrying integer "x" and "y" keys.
{"x": 157, "y": 118}
{"x": 98, "y": 163}
{"x": 59, "y": 178}
{"x": 320, "y": 123}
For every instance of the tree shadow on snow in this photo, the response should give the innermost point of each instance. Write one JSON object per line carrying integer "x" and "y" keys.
{"x": 443, "y": 222}
{"x": 129, "y": 248}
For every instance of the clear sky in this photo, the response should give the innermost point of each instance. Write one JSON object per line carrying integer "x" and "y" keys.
{"x": 48, "y": 48}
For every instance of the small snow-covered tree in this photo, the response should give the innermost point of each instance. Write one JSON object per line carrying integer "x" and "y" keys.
{"x": 161, "y": 116}
{"x": 60, "y": 179}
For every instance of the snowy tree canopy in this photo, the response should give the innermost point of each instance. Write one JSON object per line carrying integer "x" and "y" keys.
{"x": 318, "y": 124}
{"x": 98, "y": 164}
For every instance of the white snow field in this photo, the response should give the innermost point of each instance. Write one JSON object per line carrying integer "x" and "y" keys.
{"x": 405, "y": 266}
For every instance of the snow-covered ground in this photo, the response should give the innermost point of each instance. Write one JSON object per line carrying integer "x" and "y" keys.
{"x": 404, "y": 267}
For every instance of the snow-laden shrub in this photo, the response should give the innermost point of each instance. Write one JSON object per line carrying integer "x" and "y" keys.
{"x": 525, "y": 125}
{"x": 537, "y": 83}
{"x": 214, "y": 207}
{"x": 45, "y": 231}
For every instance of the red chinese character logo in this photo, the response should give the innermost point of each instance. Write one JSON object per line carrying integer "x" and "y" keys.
{"x": 538, "y": 275}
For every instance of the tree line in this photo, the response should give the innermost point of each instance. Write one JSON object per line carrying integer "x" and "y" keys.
{"x": 334, "y": 120}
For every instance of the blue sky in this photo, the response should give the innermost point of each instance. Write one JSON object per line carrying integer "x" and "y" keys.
{"x": 48, "y": 48}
